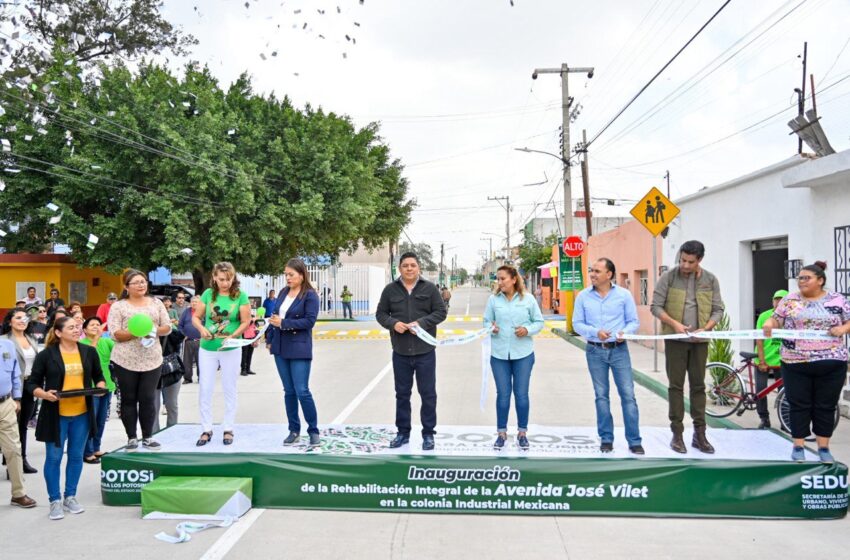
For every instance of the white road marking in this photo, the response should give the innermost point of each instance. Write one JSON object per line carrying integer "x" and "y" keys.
{"x": 346, "y": 412}
{"x": 364, "y": 333}
{"x": 222, "y": 546}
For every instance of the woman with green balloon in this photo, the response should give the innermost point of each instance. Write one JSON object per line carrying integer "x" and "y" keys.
{"x": 136, "y": 322}
{"x": 224, "y": 312}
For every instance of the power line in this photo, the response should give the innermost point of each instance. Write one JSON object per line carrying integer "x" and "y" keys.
{"x": 669, "y": 62}
{"x": 665, "y": 102}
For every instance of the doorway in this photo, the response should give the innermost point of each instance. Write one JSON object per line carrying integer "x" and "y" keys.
{"x": 769, "y": 256}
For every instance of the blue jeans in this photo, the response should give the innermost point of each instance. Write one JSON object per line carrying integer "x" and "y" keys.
{"x": 75, "y": 431}
{"x": 617, "y": 360}
{"x": 101, "y": 410}
{"x": 512, "y": 375}
{"x": 295, "y": 375}
{"x": 346, "y": 307}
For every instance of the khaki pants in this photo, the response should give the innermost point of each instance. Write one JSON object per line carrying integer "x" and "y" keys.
{"x": 682, "y": 358}
{"x": 10, "y": 444}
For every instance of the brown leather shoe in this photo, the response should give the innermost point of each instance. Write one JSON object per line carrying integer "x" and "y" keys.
{"x": 700, "y": 442}
{"x": 24, "y": 502}
{"x": 677, "y": 444}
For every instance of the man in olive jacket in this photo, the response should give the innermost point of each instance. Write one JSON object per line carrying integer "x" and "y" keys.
{"x": 407, "y": 304}
{"x": 687, "y": 300}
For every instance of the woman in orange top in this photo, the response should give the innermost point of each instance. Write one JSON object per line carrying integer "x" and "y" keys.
{"x": 64, "y": 365}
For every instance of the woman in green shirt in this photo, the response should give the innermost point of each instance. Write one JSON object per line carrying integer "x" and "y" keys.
{"x": 92, "y": 336}
{"x": 223, "y": 313}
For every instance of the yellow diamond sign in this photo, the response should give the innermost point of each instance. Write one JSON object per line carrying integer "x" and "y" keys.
{"x": 655, "y": 211}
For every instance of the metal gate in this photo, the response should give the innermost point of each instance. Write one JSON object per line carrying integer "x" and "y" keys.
{"x": 329, "y": 282}
{"x": 842, "y": 260}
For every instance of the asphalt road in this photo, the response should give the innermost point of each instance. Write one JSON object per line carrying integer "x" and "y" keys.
{"x": 561, "y": 394}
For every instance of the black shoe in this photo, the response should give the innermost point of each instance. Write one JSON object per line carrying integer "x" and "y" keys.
{"x": 187, "y": 381}
{"x": 243, "y": 372}
{"x": 637, "y": 449}
{"x": 764, "y": 424}
{"x": 29, "y": 469}
{"x": 400, "y": 440}
{"x": 252, "y": 372}
{"x": 606, "y": 447}
{"x": 427, "y": 443}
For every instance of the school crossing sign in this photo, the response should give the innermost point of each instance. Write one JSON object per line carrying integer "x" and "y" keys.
{"x": 655, "y": 211}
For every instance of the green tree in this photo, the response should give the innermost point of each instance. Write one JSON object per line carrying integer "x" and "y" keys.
{"x": 180, "y": 173}
{"x": 535, "y": 253}
{"x": 423, "y": 251}
{"x": 90, "y": 30}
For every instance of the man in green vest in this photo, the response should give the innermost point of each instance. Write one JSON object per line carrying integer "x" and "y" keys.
{"x": 687, "y": 300}
{"x": 768, "y": 351}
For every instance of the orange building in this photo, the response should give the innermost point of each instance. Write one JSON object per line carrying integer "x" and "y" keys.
{"x": 89, "y": 286}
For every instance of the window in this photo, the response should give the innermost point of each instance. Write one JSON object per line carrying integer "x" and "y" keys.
{"x": 643, "y": 288}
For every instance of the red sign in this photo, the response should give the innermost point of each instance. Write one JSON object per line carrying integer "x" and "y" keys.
{"x": 573, "y": 246}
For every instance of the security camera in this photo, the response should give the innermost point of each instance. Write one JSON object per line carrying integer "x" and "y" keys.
{"x": 590, "y": 74}
{"x": 534, "y": 75}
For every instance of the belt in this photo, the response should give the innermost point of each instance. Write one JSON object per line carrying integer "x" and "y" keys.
{"x": 606, "y": 344}
{"x": 4, "y": 397}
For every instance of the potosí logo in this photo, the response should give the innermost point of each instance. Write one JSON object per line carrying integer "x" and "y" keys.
{"x": 126, "y": 475}
{"x": 823, "y": 481}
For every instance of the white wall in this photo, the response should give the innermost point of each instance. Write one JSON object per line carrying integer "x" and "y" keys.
{"x": 728, "y": 217}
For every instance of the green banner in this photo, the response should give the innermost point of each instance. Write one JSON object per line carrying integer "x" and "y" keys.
{"x": 569, "y": 273}
{"x": 503, "y": 485}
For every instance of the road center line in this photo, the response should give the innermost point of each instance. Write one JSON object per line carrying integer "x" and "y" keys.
{"x": 346, "y": 412}
{"x": 222, "y": 546}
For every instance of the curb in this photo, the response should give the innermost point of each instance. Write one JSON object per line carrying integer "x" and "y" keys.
{"x": 646, "y": 381}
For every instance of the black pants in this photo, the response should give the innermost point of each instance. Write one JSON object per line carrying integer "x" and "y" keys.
{"x": 424, "y": 368}
{"x": 247, "y": 356}
{"x": 138, "y": 399}
{"x": 812, "y": 390}
{"x": 27, "y": 406}
{"x": 762, "y": 379}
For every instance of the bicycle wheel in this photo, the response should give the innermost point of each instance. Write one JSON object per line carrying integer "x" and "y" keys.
{"x": 724, "y": 390}
{"x": 783, "y": 411}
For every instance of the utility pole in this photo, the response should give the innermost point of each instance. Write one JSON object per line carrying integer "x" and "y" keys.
{"x": 507, "y": 207}
{"x": 490, "y": 254}
{"x": 585, "y": 181}
{"x": 442, "y": 269}
{"x": 566, "y": 101}
{"x": 801, "y": 103}
{"x": 667, "y": 176}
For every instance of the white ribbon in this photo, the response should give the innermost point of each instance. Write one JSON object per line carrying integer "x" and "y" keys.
{"x": 754, "y": 334}
{"x": 186, "y": 528}
{"x": 486, "y": 370}
{"x": 240, "y": 342}
{"x": 453, "y": 341}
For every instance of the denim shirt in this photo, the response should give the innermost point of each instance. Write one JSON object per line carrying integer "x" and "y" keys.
{"x": 508, "y": 315}
{"x": 10, "y": 371}
{"x": 615, "y": 313}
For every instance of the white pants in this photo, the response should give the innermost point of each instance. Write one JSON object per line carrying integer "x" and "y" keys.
{"x": 208, "y": 362}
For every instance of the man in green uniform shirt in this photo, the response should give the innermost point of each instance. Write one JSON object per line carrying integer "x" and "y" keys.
{"x": 768, "y": 351}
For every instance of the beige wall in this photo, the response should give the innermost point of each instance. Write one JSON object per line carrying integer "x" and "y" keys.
{"x": 630, "y": 248}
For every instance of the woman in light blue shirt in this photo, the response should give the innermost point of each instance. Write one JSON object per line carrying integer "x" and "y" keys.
{"x": 515, "y": 317}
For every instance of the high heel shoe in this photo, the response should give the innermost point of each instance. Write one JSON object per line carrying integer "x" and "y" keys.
{"x": 29, "y": 469}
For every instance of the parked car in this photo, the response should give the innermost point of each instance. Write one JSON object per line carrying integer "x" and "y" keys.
{"x": 170, "y": 290}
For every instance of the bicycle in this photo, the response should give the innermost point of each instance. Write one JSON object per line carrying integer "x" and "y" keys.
{"x": 727, "y": 392}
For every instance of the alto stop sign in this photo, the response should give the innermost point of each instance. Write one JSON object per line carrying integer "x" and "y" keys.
{"x": 573, "y": 246}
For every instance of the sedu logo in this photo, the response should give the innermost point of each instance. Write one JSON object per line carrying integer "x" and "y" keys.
{"x": 823, "y": 482}
{"x": 126, "y": 475}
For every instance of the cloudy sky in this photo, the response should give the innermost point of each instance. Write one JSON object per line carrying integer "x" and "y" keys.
{"x": 450, "y": 83}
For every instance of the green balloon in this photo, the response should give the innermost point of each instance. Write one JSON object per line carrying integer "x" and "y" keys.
{"x": 140, "y": 325}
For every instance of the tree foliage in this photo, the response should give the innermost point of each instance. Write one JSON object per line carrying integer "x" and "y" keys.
{"x": 179, "y": 172}
{"x": 91, "y": 30}
{"x": 535, "y": 253}
{"x": 423, "y": 251}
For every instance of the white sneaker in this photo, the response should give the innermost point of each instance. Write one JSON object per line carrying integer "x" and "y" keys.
{"x": 56, "y": 511}
{"x": 71, "y": 505}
